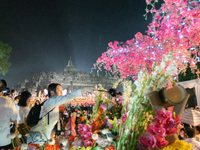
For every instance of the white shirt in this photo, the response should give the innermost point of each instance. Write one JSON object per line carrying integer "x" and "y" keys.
{"x": 195, "y": 143}
{"x": 23, "y": 112}
{"x": 43, "y": 127}
{"x": 7, "y": 111}
{"x": 17, "y": 107}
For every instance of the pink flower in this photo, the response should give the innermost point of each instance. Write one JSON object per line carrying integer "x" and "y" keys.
{"x": 147, "y": 1}
{"x": 170, "y": 109}
{"x": 124, "y": 117}
{"x": 120, "y": 99}
{"x": 171, "y": 131}
{"x": 138, "y": 36}
{"x": 161, "y": 142}
{"x": 163, "y": 114}
{"x": 31, "y": 147}
{"x": 177, "y": 120}
{"x": 158, "y": 120}
{"x": 103, "y": 106}
{"x": 159, "y": 131}
{"x": 150, "y": 130}
{"x": 86, "y": 136}
{"x": 87, "y": 143}
{"x": 76, "y": 143}
{"x": 109, "y": 124}
{"x": 169, "y": 123}
{"x": 147, "y": 141}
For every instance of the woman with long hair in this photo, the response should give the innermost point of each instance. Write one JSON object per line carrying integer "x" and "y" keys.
{"x": 22, "y": 127}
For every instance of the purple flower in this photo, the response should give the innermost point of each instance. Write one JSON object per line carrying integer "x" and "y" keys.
{"x": 103, "y": 106}
{"x": 87, "y": 143}
{"x": 147, "y": 141}
{"x": 31, "y": 147}
{"x": 109, "y": 124}
{"x": 120, "y": 99}
{"x": 77, "y": 142}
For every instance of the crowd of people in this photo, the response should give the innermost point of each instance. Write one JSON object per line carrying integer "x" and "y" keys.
{"x": 15, "y": 110}
{"x": 191, "y": 135}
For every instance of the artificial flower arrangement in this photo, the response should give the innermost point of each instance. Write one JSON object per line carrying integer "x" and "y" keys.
{"x": 163, "y": 124}
{"x": 152, "y": 61}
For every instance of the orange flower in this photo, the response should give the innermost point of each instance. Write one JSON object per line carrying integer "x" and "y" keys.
{"x": 73, "y": 120}
{"x": 71, "y": 139}
{"x": 70, "y": 144}
{"x": 110, "y": 148}
{"x": 52, "y": 147}
{"x": 32, "y": 144}
{"x": 61, "y": 107}
{"x": 101, "y": 110}
{"x": 96, "y": 125}
{"x": 96, "y": 131}
{"x": 82, "y": 119}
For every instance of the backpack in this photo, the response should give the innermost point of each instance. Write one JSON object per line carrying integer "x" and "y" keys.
{"x": 33, "y": 116}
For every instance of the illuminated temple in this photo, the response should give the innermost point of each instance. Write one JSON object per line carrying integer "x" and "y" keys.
{"x": 70, "y": 79}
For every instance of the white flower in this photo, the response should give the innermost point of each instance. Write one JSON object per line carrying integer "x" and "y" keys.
{"x": 11, "y": 136}
{"x": 41, "y": 143}
{"x": 19, "y": 136}
{"x": 130, "y": 106}
{"x": 105, "y": 131}
{"x": 64, "y": 142}
{"x": 95, "y": 136}
{"x": 110, "y": 139}
{"x": 62, "y": 133}
{"x": 24, "y": 146}
{"x": 51, "y": 141}
{"x": 27, "y": 135}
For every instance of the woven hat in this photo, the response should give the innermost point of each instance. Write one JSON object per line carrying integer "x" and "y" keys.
{"x": 173, "y": 96}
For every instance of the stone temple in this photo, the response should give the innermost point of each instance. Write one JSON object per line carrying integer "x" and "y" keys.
{"x": 70, "y": 79}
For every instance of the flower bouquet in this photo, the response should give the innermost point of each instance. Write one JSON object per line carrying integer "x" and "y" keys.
{"x": 163, "y": 124}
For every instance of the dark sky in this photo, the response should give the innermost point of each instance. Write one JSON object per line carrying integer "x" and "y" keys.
{"x": 45, "y": 33}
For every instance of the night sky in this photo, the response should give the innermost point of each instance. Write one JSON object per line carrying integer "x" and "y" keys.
{"x": 44, "y": 34}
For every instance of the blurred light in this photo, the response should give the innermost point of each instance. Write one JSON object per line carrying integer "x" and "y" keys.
{"x": 64, "y": 92}
{"x": 45, "y": 92}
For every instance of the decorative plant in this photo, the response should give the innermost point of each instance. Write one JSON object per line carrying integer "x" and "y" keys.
{"x": 153, "y": 60}
{"x": 165, "y": 123}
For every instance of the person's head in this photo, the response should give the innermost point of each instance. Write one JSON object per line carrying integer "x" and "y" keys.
{"x": 3, "y": 86}
{"x": 190, "y": 132}
{"x": 4, "y": 83}
{"x": 24, "y": 98}
{"x": 54, "y": 90}
{"x": 197, "y": 130}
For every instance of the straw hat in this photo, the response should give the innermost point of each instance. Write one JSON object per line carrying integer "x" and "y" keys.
{"x": 173, "y": 96}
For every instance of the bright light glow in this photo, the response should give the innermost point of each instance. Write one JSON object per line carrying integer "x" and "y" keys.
{"x": 64, "y": 92}
{"x": 45, "y": 92}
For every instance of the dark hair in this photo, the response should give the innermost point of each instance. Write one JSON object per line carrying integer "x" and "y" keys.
{"x": 52, "y": 87}
{"x": 3, "y": 85}
{"x": 4, "y": 82}
{"x": 17, "y": 97}
{"x": 23, "y": 98}
{"x": 198, "y": 128}
{"x": 190, "y": 132}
